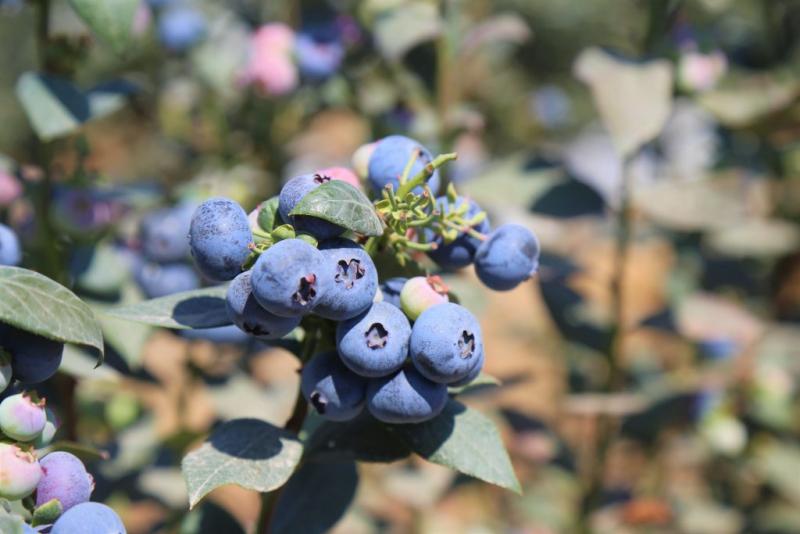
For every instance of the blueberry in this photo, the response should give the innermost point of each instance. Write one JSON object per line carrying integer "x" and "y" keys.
{"x": 220, "y": 238}
{"x": 49, "y": 430}
{"x": 389, "y": 160}
{"x": 163, "y": 233}
{"x": 391, "y": 289}
{"x": 351, "y": 278}
{"x": 471, "y": 376}
{"x": 405, "y": 397}
{"x": 287, "y": 278}
{"x": 20, "y": 472}
{"x": 21, "y": 417}
{"x": 64, "y": 478}
{"x": 250, "y": 317}
{"x": 446, "y": 343}
{"x": 158, "y": 280}
{"x": 34, "y": 359}
{"x": 292, "y": 193}
{"x": 420, "y": 293}
{"x": 508, "y": 257}
{"x": 220, "y": 334}
{"x": 89, "y": 518}
{"x": 335, "y": 392}
{"x": 180, "y": 28}
{"x": 10, "y": 253}
{"x": 317, "y": 59}
{"x": 374, "y": 343}
{"x": 460, "y": 252}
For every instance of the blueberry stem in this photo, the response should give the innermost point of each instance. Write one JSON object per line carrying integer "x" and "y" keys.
{"x": 409, "y": 165}
{"x": 423, "y": 175}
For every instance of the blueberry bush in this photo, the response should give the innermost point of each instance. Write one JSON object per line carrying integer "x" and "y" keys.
{"x": 399, "y": 266}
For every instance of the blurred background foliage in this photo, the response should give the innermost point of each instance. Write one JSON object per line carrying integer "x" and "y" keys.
{"x": 648, "y": 377}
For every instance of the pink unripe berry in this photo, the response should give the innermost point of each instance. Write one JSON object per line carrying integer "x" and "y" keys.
{"x": 22, "y": 417}
{"x": 10, "y": 188}
{"x": 64, "y": 478}
{"x": 20, "y": 472}
{"x": 420, "y": 293}
{"x": 273, "y": 37}
{"x": 269, "y": 67}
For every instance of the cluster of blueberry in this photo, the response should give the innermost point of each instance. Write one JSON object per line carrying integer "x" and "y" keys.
{"x": 28, "y": 427}
{"x": 163, "y": 268}
{"x": 400, "y": 371}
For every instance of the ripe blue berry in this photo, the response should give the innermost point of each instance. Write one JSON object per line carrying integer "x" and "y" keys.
{"x": 163, "y": 233}
{"x": 389, "y": 160}
{"x": 157, "y": 280}
{"x": 351, "y": 278}
{"x": 180, "y": 28}
{"x": 335, "y": 392}
{"x": 420, "y": 293}
{"x": 317, "y": 59}
{"x": 249, "y": 316}
{"x": 89, "y": 518}
{"x": 64, "y": 478}
{"x": 10, "y": 253}
{"x": 446, "y": 343}
{"x": 292, "y": 193}
{"x": 460, "y": 252}
{"x": 508, "y": 257}
{"x": 374, "y": 343}
{"x": 405, "y": 397}
{"x": 287, "y": 278}
{"x": 471, "y": 376}
{"x": 219, "y": 238}
{"x": 20, "y": 472}
{"x": 391, "y": 289}
{"x": 34, "y": 359}
{"x": 21, "y": 417}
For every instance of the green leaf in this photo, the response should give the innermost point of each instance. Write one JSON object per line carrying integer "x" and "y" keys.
{"x": 199, "y": 308}
{"x": 342, "y": 204}
{"x": 315, "y": 498}
{"x": 110, "y": 20}
{"x": 406, "y": 26}
{"x": 632, "y": 116}
{"x": 47, "y": 513}
{"x": 248, "y": 452}
{"x": 55, "y": 107}
{"x": 268, "y": 216}
{"x": 364, "y": 439}
{"x": 464, "y": 440}
{"x": 33, "y": 302}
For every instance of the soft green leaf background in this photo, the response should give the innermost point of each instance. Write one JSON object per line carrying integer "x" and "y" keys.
{"x": 110, "y": 20}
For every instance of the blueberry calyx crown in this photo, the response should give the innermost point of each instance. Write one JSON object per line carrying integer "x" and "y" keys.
{"x": 349, "y": 272}
{"x": 377, "y": 336}
{"x": 318, "y": 401}
{"x": 321, "y": 179}
{"x": 466, "y": 344}
{"x": 306, "y": 290}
